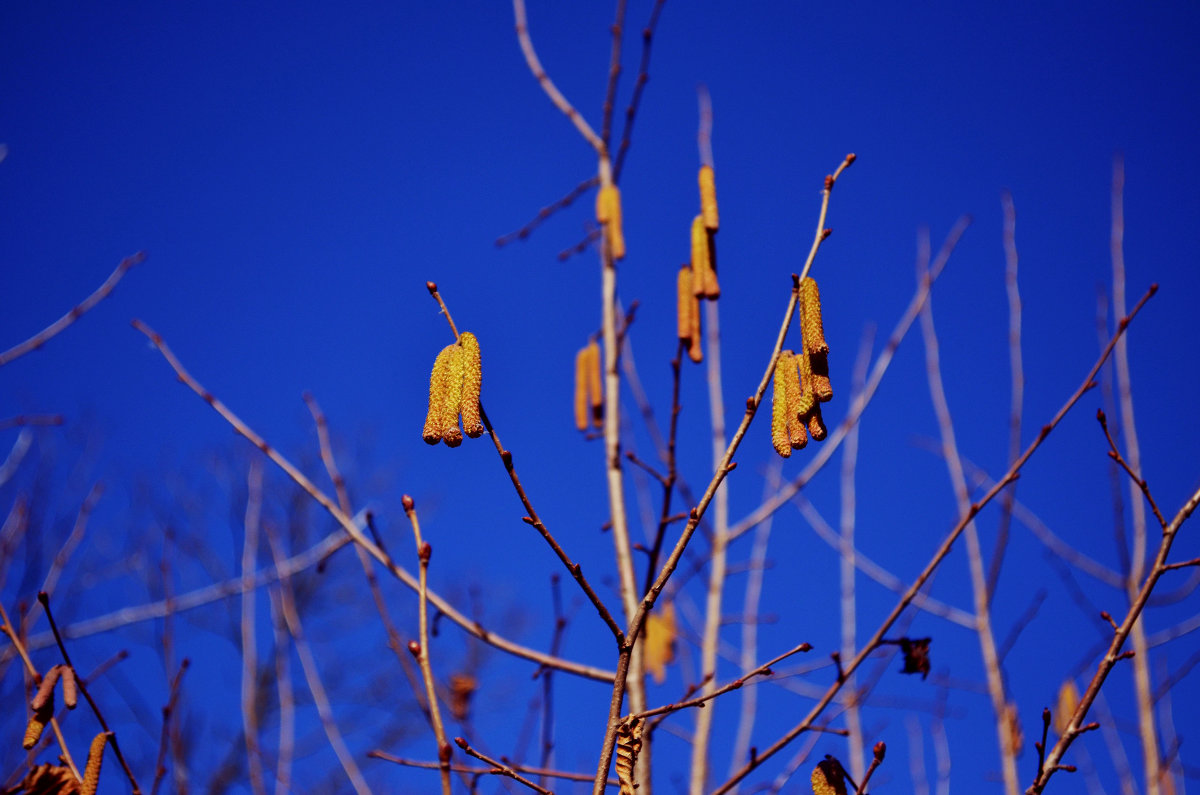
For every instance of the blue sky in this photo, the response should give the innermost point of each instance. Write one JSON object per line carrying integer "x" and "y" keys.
{"x": 297, "y": 172}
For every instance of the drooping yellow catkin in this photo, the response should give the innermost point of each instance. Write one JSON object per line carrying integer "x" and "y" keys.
{"x": 45, "y": 692}
{"x": 581, "y": 389}
{"x": 452, "y": 398}
{"x": 1064, "y": 710}
{"x": 708, "y": 198}
{"x": 608, "y": 213}
{"x": 816, "y": 425}
{"x": 685, "y": 302}
{"x": 595, "y": 386}
{"x": 785, "y": 366}
{"x": 91, "y": 773}
{"x": 810, "y": 317}
{"x": 37, "y": 724}
{"x": 829, "y": 777}
{"x": 807, "y": 399}
{"x": 660, "y": 641}
{"x": 822, "y": 389}
{"x": 439, "y": 384}
{"x": 472, "y": 382}
{"x": 629, "y": 745}
{"x": 700, "y": 258}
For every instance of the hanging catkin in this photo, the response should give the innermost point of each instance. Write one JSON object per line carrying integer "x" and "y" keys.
{"x": 439, "y": 385}
{"x": 91, "y": 773}
{"x": 608, "y": 213}
{"x": 688, "y": 314}
{"x": 472, "y": 383}
{"x": 810, "y": 317}
{"x": 704, "y": 278}
{"x": 785, "y": 367}
{"x": 582, "y": 405}
{"x": 595, "y": 385}
{"x": 708, "y": 198}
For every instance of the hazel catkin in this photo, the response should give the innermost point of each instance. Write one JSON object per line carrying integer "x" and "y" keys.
{"x": 708, "y": 198}
{"x": 439, "y": 385}
{"x": 704, "y": 277}
{"x": 810, "y": 317}
{"x": 582, "y": 405}
{"x": 785, "y": 366}
{"x": 689, "y": 314}
{"x": 452, "y": 398}
{"x": 608, "y": 213}
{"x": 595, "y": 385}
{"x": 472, "y": 382}
{"x": 91, "y": 773}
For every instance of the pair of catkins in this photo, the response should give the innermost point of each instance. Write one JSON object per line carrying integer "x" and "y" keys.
{"x": 802, "y": 380}
{"x": 698, "y": 278}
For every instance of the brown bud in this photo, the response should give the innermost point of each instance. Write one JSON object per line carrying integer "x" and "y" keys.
{"x": 406, "y": 502}
{"x": 91, "y": 773}
{"x": 472, "y": 381}
{"x": 414, "y": 648}
{"x": 708, "y": 198}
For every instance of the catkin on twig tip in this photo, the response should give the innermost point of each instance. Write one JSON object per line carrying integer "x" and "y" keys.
{"x": 784, "y": 367}
{"x": 439, "y": 384}
{"x": 708, "y": 198}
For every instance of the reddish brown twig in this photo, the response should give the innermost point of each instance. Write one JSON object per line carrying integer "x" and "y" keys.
{"x": 168, "y": 710}
{"x": 499, "y": 768}
{"x": 55, "y": 328}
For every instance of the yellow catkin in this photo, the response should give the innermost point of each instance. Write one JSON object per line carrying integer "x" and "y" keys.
{"x": 816, "y": 425}
{"x": 822, "y": 388}
{"x": 807, "y": 399}
{"x": 685, "y": 303}
{"x": 91, "y": 773}
{"x": 810, "y": 317}
{"x": 452, "y": 398}
{"x": 472, "y": 382}
{"x": 608, "y": 213}
{"x": 701, "y": 262}
{"x": 800, "y": 403}
{"x": 45, "y": 692}
{"x": 439, "y": 383}
{"x": 784, "y": 367}
{"x": 660, "y": 641}
{"x": 708, "y": 198}
{"x": 37, "y": 724}
{"x": 829, "y": 778}
{"x": 629, "y": 745}
{"x": 581, "y": 389}
{"x": 595, "y": 386}
{"x": 1068, "y": 702}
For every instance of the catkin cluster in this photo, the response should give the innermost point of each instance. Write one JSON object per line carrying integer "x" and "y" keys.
{"x": 608, "y": 214}
{"x": 589, "y": 394}
{"x": 801, "y": 381}
{"x": 43, "y": 702}
{"x": 698, "y": 279}
{"x": 453, "y": 391}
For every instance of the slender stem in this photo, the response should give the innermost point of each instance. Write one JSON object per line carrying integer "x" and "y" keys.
{"x": 312, "y": 676}
{"x": 420, "y": 650}
{"x": 539, "y": 74}
{"x": 160, "y": 767}
{"x": 254, "y": 497}
{"x": 287, "y": 699}
{"x": 499, "y": 768}
{"x": 943, "y": 549}
{"x": 82, "y": 685}
{"x": 614, "y": 72}
{"x": 979, "y": 584}
{"x": 55, "y": 328}
{"x": 400, "y": 573}
{"x": 533, "y": 771}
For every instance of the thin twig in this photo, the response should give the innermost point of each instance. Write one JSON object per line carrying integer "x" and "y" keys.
{"x": 55, "y": 328}
{"x": 1140, "y": 482}
{"x": 64, "y": 553}
{"x": 254, "y": 497}
{"x": 856, "y": 409}
{"x": 942, "y": 550}
{"x": 1018, "y": 385}
{"x": 550, "y": 209}
{"x": 725, "y": 466}
{"x": 614, "y": 72}
{"x": 499, "y": 768}
{"x": 532, "y": 517}
{"x": 539, "y": 74}
{"x": 168, "y": 710}
{"x": 312, "y": 675}
{"x": 420, "y": 648}
{"x": 639, "y": 86}
{"x": 36, "y": 677}
{"x": 82, "y": 685}
{"x": 533, "y": 771}
{"x": 400, "y": 573}
{"x": 979, "y": 581}
{"x": 287, "y": 700}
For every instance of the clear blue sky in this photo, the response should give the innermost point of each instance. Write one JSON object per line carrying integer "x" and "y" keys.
{"x": 296, "y": 172}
